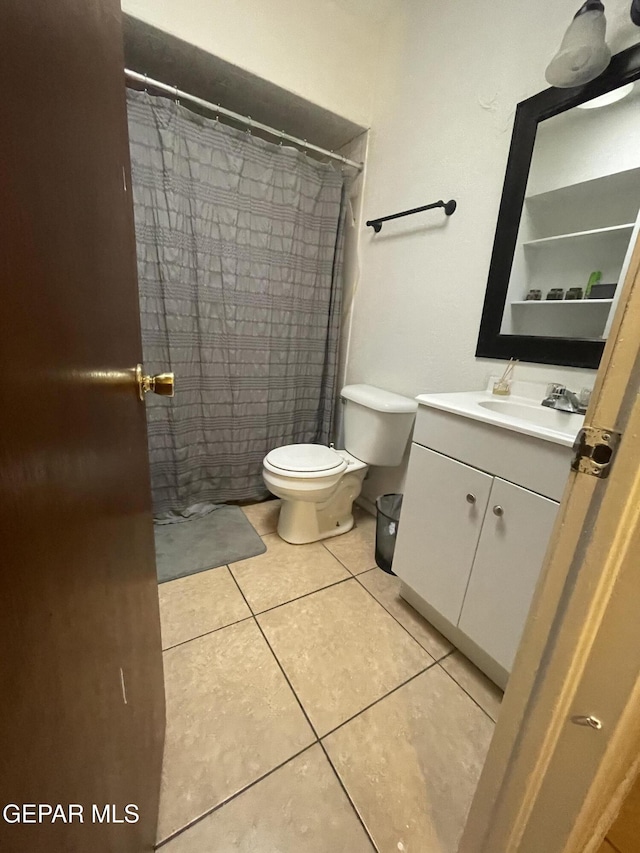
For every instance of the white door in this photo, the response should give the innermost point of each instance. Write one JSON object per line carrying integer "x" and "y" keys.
{"x": 442, "y": 512}
{"x": 514, "y": 539}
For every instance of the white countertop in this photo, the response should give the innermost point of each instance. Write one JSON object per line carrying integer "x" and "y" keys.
{"x": 520, "y": 412}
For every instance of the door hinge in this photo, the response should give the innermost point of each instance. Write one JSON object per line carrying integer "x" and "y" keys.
{"x": 595, "y": 451}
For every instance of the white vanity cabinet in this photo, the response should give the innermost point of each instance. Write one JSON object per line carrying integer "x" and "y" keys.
{"x": 472, "y": 539}
{"x": 514, "y": 538}
{"x": 443, "y": 510}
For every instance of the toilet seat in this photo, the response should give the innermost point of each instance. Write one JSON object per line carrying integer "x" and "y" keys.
{"x": 305, "y": 461}
{"x": 318, "y": 485}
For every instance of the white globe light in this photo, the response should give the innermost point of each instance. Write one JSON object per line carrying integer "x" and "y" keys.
{"x": 608, "y": 98}
{"x": 583, "y": 54}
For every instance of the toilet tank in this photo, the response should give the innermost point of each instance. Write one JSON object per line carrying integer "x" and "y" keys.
{"x": 377, "y": 424}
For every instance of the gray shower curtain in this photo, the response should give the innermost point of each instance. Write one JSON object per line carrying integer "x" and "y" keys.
{"x": 239, "y": 246}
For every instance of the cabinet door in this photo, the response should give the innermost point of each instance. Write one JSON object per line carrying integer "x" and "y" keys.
{"x": 512, "y": 546}
{"x": 442, "y": 511}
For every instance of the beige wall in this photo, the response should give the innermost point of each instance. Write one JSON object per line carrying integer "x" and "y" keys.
{"x": 323, "y": 50}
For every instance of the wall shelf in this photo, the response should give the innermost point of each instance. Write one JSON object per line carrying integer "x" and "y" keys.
{"x": 583, "y": 318}
{"x": 567, "y": 239}
{"x": 568, "y": 302}
{"x": 583, "y": 192}
{"x": 578, "y": 218}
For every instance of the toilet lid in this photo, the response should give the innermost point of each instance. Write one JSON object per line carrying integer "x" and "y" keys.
{"x": 305, "y": 458}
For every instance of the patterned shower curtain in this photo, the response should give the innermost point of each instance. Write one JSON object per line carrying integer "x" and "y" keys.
{"x": 239, "y": 247}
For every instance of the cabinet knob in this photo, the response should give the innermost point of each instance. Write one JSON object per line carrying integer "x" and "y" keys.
{"x": 471, "y": 499}
{"x": 498, "y": 510}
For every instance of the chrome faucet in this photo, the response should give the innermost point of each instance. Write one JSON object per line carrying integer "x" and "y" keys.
{"x": 559, "y": 397}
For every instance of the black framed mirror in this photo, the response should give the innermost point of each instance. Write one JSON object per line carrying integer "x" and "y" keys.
{"x": 560, "y": 245}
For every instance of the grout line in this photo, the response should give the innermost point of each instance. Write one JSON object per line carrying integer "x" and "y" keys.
{"x": 244, "y": 597}
{"x": 206, "y": 633}
{"x": 448, "y": 654}
{"x": 375, "y": 702}
{"x": 348, "y": 796}
{"x": 263, "y": 536}
{"x": 435, "y": 660}
{"x": 475, "y": 701}
{"x": 351, "y": 572}
{"x": 313, "y": 729}
{"x": 231, "y": 797}
{"x": 304, "y": 595}
{"x": 379, "y": 699}
{"x": 404, "y": 627}
{"x": 286, "y": 677}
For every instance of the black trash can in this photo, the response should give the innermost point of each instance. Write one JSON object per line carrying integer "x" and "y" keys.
{"x": 387, "y": 519}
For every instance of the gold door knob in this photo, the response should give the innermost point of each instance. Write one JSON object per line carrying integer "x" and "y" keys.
{"x": 161, "y": 383}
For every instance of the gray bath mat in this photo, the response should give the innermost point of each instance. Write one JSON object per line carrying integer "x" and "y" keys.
{"x": 223, "y": 536}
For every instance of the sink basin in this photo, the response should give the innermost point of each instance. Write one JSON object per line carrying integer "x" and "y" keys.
{"x": 523, "y": 414}
{"x": 540, "y": 415}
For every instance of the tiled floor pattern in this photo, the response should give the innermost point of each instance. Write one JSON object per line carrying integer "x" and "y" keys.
{"x": 310, "y": 709}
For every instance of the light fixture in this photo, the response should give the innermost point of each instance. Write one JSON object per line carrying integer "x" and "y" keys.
{"x": 583, "y": 54}
{"x": 608, "y": 98}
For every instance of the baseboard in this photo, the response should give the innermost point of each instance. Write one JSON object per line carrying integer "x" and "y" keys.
{"x": 480, "y": 658}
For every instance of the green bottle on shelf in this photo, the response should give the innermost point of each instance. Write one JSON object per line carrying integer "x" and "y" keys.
{"x": 594, "y": 278}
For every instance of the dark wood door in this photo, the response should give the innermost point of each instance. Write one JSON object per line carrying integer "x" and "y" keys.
{"x": 82, "y": 708}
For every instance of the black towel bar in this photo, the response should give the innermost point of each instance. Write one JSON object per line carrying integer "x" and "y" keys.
{"x": 449, "y": 207}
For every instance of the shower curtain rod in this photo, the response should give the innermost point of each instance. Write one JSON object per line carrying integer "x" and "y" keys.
{"x": 178, "y": 94}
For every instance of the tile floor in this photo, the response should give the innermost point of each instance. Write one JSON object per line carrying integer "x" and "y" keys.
{"x": 310, "y": 709}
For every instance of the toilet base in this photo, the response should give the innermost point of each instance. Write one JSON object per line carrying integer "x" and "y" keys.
{"x": 303, "y": 521}
{"x": 299, "y": 523}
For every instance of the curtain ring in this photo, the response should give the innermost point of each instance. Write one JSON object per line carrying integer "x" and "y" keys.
{"x": 281, "y": 138}
{"x": 146, "y": 88}
{"x": 217, "y": 113}
{"x": 249, "y": 125}
{"x": 176, "y": 95}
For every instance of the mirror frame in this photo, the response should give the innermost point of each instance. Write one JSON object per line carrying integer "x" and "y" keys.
{"x": 570, "y": 352}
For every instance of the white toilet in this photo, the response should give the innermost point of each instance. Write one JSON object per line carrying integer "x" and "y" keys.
{"x": 318, "y": 484}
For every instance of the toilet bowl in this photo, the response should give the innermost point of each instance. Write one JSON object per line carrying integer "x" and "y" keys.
{"x": 318, "y": 484}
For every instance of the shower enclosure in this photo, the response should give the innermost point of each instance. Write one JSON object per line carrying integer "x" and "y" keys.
{"x": 240, "y": 245}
